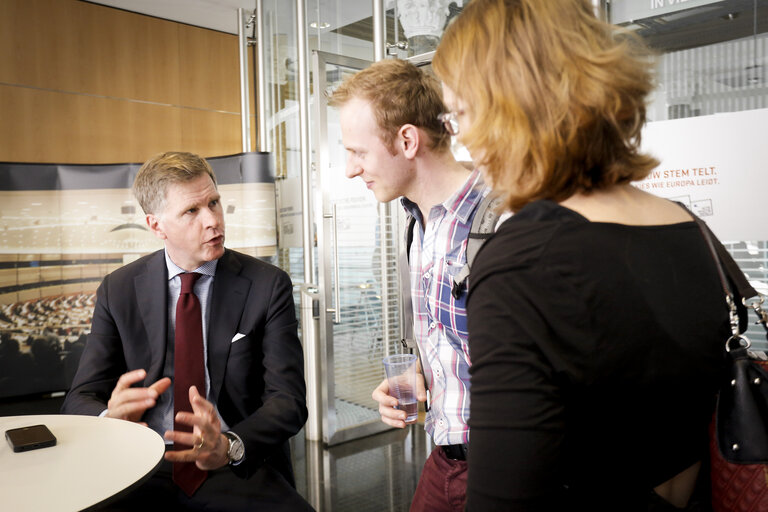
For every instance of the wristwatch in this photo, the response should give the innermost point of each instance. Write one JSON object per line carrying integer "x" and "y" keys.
{"x": 236, "y": 448}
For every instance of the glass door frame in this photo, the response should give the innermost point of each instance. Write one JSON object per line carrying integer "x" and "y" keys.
{"x": 328, "y": 297}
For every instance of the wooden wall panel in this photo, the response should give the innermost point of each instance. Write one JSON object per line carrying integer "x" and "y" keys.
{"x": 209, "y": 67}
{"x": 85, "y": 83}
{"x": 204, "y": 132}
{"x": 133, "y": 56}
{"x": 79, "y": 47}
{"x": 50, "y": 127}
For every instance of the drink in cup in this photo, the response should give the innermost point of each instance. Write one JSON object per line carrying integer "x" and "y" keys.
{"x": 401, "y": 375}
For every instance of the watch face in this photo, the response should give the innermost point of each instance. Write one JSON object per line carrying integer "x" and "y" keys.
{"x": 236, "y": 449}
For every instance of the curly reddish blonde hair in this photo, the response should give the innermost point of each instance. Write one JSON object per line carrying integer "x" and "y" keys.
{"x": 556, "y": 97}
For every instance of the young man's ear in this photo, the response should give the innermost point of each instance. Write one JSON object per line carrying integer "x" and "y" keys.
{"x": 409, "y": 139}
{"x": 153, "y": 223}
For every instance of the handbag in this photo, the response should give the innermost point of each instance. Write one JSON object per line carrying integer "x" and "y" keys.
{"x": 741, "y": 416}
{"x": 739, "y": 434}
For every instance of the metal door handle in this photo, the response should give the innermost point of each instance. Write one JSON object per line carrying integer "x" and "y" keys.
{"x": 336, "y": 286}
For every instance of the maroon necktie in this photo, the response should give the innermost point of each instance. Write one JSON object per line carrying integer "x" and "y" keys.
{"x": 188, "y": 370}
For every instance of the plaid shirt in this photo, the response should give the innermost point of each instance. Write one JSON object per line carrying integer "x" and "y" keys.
{"x": 440, "y": 320}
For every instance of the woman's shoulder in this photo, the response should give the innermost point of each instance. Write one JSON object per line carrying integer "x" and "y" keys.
{"x": 540, "y": 212}
{"x": 522, "y": 238}
{"x": 534, "y": 225}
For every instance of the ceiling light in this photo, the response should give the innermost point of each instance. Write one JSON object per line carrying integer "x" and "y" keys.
{"x": 320, "y": 25}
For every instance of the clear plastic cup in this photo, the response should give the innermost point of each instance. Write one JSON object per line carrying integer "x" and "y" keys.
{"x": 402, "y": 375}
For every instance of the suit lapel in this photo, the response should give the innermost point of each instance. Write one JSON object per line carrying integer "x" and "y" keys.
{"x": 152, "y": 298}
{"x": 230, "y": 291}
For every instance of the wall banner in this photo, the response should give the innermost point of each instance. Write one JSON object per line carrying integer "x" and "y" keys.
{"x": 63, "y": 227}
{"x": 717, "y": 166}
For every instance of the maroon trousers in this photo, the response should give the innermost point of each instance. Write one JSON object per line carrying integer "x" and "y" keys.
{"x": 442, "y": 486}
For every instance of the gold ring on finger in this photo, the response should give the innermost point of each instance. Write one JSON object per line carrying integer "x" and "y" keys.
{"x": 199, "y": 446}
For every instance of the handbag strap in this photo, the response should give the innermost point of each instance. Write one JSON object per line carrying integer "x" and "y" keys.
{"x": 723, "y": 258}
{"x": 727, "y": 268}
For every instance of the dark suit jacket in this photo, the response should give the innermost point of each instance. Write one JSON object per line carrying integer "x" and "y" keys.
{"x": 256, "y": 381}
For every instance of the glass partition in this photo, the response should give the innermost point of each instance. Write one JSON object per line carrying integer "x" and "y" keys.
{"x": 711, "y": 61}
{"x": 355, "y": 277}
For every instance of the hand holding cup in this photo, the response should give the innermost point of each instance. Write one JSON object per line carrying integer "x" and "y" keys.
{"x": 402, "y": 378}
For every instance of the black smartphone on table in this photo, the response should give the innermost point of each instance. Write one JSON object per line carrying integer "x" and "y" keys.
{"x": 30, "y": 438}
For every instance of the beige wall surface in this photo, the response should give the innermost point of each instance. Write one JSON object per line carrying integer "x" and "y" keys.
{"x": 85, "y": 83}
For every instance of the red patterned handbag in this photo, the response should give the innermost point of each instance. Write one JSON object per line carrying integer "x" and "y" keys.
{"x": 736, "y": 487}
{"x": 739, "y": 432}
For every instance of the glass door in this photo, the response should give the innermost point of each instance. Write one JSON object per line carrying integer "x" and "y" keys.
{"x": 357, "y": 276}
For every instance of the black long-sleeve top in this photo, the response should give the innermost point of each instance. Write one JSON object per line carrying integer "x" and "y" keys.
{"x": 596, "y": 352}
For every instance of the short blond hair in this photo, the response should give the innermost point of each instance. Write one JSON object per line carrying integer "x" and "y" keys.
{"x": 556, "y": 96}
{"x": 151, "y": 184}
{"x": 399, "y": 93}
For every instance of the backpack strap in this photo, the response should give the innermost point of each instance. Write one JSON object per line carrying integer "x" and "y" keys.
{"x": 409, "y": 237}
{"x": 483, "y": 226}
{"x": 406, "y": 308}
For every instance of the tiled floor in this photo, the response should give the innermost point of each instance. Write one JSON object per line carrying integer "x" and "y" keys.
{"x": 373, "y": 474}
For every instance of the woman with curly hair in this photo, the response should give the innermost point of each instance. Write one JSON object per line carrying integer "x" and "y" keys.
{"x": 596, "y": 318}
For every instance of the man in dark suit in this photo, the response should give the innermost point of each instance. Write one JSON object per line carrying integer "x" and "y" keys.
{"x": 233, "y": 434}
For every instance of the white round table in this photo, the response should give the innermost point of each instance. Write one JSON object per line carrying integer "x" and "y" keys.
{"x": 94, "y": 459}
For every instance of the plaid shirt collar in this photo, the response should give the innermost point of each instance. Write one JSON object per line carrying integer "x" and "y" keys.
{"x": 461, "y": 203}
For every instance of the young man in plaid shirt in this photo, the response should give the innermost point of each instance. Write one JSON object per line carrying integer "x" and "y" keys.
{"x": 395, "y": 140}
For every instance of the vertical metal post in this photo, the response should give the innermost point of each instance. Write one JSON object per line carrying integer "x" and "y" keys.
{"x": 315, "y": 374}
{"x": 379, "y": 40}
{"x": 601, "y": 12}
{"x": 326, "y": 385}
{"x": 385, "y": 209}
{"x": 261, "y": 78}
{"x": 302, "y": 73}
{"x": 245, "y": 106}
{"x": 318, "y": 485}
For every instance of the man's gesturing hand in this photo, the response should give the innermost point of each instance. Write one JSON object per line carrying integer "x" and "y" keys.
{"x": 127, "y": 403}
{"x": 209, "y": 445}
